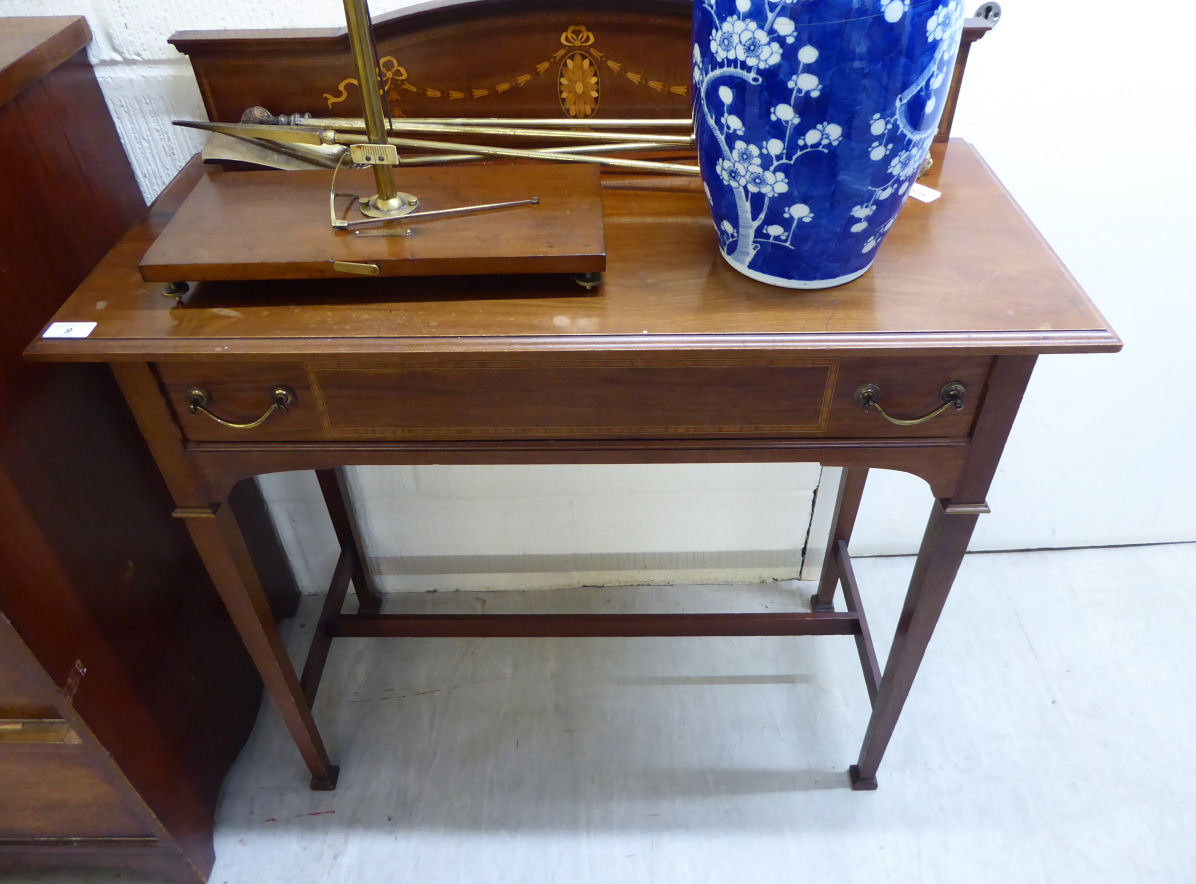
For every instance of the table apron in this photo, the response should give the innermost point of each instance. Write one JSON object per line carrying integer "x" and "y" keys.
{"x": 938, "y": 461}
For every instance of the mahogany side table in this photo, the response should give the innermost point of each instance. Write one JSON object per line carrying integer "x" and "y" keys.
{"x": 675, "y": 358}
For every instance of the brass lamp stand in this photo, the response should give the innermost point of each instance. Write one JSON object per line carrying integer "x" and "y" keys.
{"x": 389, "y": 201}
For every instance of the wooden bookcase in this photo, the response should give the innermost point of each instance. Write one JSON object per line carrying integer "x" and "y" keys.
{"x": 125, "y": 693}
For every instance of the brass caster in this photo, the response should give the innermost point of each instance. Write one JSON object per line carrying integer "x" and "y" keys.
{"x": 588, "y": 280}
{"x": 176, "y": 290}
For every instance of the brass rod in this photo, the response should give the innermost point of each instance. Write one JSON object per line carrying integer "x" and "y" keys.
{"x": 436, "y": 213}
{"x": 357, "y": 20}
{"x": 400, "y": 126}
{"x": 594, "y": 148}
{"x": 489, "y": 150}
{"x": 349, "y": 123}
{"x": 561, "y": 134}
{"x": 436, "y": 159}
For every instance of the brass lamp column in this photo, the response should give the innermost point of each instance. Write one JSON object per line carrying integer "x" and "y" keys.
{"x": 388, "y": 202}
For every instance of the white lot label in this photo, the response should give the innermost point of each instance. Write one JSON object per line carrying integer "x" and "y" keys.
{"x": 69, "y": 330}
{"x": 923, "y": 193}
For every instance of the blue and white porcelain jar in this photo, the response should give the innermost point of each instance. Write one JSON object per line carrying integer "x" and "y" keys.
{"x": 813, "y": 119}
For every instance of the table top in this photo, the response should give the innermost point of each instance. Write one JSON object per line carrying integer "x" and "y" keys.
{"x": 966, "y": 273}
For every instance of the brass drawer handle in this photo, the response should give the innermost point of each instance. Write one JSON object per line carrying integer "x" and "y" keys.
{"x": 198, "y": 400}
{"x": 868, "y": 396}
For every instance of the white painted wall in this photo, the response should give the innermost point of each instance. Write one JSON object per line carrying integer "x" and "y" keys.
{"x": 1086, "y": 113}
{"x": 539, "y": 527}
{"x": 1083, "y": 111}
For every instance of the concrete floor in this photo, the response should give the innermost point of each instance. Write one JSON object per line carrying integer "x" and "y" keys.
{"x": 1048, "y": 738}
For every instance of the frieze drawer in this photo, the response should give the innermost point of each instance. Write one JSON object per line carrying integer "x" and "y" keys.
{"x": 644, "y": 396}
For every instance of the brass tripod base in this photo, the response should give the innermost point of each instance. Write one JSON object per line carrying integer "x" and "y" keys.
{"x": 401, "y": 204}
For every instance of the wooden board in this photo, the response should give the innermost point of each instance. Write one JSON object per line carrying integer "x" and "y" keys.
{"x": 275, "y": 225}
